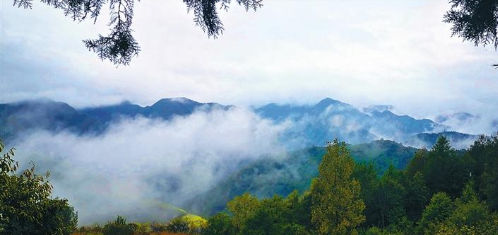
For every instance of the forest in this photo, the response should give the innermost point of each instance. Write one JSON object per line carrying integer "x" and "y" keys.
{"x": 441, "y": 191}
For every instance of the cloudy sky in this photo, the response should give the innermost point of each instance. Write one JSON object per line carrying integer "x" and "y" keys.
{"x": 359, "y": 52}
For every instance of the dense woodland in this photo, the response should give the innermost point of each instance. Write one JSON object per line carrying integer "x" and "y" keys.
{"x": 441, "y": 191}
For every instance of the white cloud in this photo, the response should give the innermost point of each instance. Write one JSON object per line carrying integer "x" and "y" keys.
{"x": 363, "y": 53}
{"x": 138, "y": 163}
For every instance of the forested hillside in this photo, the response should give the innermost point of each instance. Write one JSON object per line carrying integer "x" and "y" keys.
{"x": 438, "y": 191}
{"x": 281, "y": 176}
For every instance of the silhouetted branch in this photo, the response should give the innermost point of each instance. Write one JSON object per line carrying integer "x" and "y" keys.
{"x": 120, "y": 46}
{"x": 475, "y": 21}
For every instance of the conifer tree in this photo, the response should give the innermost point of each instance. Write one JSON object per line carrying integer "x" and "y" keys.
{"x": 336, "y": 206}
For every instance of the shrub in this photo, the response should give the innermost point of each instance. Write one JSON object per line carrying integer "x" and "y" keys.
{"x": 118, "y": 227}
{"x": 178, "y": 225}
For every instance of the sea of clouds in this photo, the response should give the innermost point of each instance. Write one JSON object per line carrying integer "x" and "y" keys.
{"x": 139, "y": 167}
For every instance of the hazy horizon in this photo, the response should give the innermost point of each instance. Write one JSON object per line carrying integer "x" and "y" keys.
{"x": 399, "y": 54}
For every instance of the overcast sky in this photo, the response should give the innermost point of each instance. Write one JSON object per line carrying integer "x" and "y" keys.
{"x": 359, "y": 52}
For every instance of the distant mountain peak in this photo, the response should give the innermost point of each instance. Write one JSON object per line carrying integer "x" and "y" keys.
{"x": 175, "y": 100}
{"x": 325, "y": 103}
{"x": 182, "y": 100}
{"x": 328, "y": 101}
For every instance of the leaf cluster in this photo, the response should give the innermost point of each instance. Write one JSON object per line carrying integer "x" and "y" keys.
{"x": 26, "y": 206}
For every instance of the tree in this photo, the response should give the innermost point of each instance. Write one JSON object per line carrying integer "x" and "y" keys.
{"x": 242, "y": 207}
{"x": 366, "y": 174}
{"x": 118, "y": 227}
{"x": 439, "y": 209}
{"x": 219, "y": 224}
{"x": 417, "y": 163}
{"x": 389, "y": 198}
{"x": 416, "y": 197}
{"x": 120, "y": 46}
{"x": 475, "y": 21}
{"x": 336, "y": 204}
{"x": 469, "y": 211}
{"x": 490, "y": 174}
{"x": 270, "y": 218}
{"x": 470, "y": 216}
{"x": 299, "y": 209}
{"x": 26, "y": 206}
{"x": 444, "y": 171}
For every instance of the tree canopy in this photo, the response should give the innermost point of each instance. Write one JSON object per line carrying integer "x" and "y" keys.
{"x": 336, "y": 203}
{"x": 26, "y": 204}
{"x": 119, "y": 46}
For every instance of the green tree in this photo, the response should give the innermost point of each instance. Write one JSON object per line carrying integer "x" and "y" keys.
{"x": 490, "y": 175}
{"x": 475, "y": 160}
{"x": 26, "y": 206}
{"x": 118, "y": 227}
{"x": 439, "y": 209}
{"x": 469, "y": 211}
{"x": 389, "y": 198}
{"x": 336, "y": 204}
{"x": 242, "y": 208}
{"x": 219, "y": 224}
{"x": 482, "y": 164}
{"x": 366, "y": 174}
{"x": 417, "y": 196}
{"x": 268, "y": 219}
{"x": 299, "y": 209}
{"x": 120, "y": 46}
{"x": 470, "y": 217}
{"x": 417, "y": 163}
{"x": 444, "y": 171}
{"x": 475, "y": 21}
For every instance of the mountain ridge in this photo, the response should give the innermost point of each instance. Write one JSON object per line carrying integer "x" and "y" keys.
{"x": 312, "y": 124}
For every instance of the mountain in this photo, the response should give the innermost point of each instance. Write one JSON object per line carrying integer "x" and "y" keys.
{"x": 22, "y": 117}
{"x": 269, "y": 176}
{"x": 426, "y": 140}
{"x": 164, "y": 109}
{"x": 167, "y": 108}
{"x": 109, "y": 113}
{"x": 19, "y": 118}
{"x": 330, "y": 119}
{"x": 398, "y": 127}
{"x": 307, "y": 125}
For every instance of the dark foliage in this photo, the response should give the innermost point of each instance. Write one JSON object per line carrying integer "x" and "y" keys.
{"x": 118, "y": 227}
{"x": 475, "y": 21}
{"x": 482, "y": 158}
{"x": 178, "y": 225}
{"x": 219, "y": 224}
{"x": 120, "y": 46}
{"x": 26, "y": 205}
